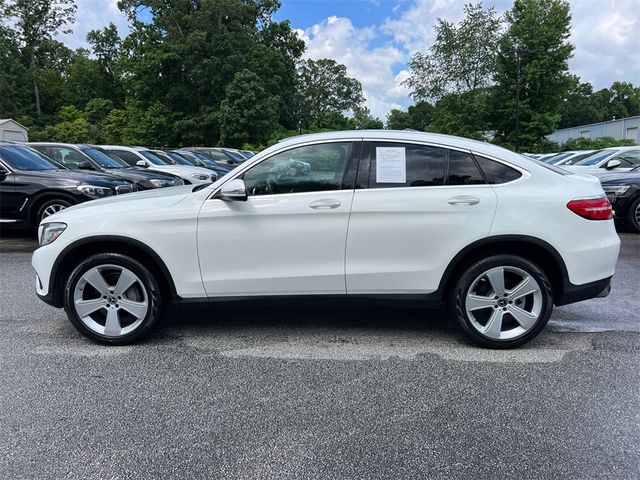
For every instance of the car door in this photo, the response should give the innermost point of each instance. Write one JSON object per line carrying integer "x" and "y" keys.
{"x": 629, "y": 159}
{"x": 9, "y": 200}
{"x": 289, "y": 236}
{"x": 421, "y": 205}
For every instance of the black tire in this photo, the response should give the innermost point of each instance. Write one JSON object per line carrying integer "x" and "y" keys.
{"x": 465, "y": 281}
{"x": 147, "y": 281}
{"x": 631, "y": 220}
{"x": 56, "y": 202}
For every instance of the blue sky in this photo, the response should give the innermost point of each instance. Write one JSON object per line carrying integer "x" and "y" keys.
{"x": 376, "y": 38}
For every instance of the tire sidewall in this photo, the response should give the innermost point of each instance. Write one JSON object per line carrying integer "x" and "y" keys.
{"x": 150, "y": 283}
{"x": 41, "y": 209}
{"x": 631, "y": 218}
{"x": 464, "y": 282}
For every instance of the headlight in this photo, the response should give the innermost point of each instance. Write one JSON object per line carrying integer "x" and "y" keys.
{"x": 94, "y": 191}
{"x": 616, "y": 189}
{"x": 200, "y": 176}
{"x": 178, "y": 181}
{"x": 50, "y": 231}
{"x": 157, "y": 183}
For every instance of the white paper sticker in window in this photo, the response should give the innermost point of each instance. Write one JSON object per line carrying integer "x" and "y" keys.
{"x": 391, "y": 165}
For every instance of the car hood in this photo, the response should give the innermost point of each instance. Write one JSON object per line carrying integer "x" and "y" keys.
{"x": 150, "y": 199}
{"x": 180, "y": 169}
{"x": 620, "y": 178}
{"x": 133, "y": 174}
{"x": 92, "y": 178}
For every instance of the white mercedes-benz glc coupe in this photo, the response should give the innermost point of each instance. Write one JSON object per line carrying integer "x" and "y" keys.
{"x": 377, "y": 214}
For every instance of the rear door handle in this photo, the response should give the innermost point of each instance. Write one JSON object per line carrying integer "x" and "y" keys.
{"x": 326, "y": 204}
{"x": 463, "y": 200}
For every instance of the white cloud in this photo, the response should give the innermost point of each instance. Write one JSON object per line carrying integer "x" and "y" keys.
{"x": 606, "y": 34}
{"x": 373, "y": 66}
{"x": 607, "y": 40}
{"x": 92, "y": 15}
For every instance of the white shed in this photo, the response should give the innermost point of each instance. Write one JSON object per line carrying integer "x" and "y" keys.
{"x": 12, "y": 131}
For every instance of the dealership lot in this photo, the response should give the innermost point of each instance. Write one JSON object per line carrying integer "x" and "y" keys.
{"x": 318, "y": 391}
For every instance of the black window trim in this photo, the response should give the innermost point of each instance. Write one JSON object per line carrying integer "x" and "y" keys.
{"x": 367, "y": 152}
{"x": 352, "y": 158}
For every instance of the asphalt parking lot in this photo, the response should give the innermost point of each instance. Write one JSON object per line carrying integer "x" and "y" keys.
{"x": 318, "y": 392}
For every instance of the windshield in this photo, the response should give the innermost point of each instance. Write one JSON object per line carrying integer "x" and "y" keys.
{"x": 152, "y": 157}
{"x": 24, "y": 158}
{"x": 577, "y": 158}
{"x": 234, "y": 156}
{"x": 556, "y": 158}
{"x": 104, "y": 159}
{"x": 179, "y": 159}
{"x": 597, "y": 157}
{"x": 204, "y": 159}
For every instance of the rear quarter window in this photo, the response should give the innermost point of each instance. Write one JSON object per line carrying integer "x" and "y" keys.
{"x": 496, "y": 172}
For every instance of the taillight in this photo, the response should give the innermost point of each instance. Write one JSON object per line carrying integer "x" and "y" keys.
{"x": 592, "y": 208}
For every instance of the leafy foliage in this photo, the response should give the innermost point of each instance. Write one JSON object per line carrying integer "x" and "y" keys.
{"x": 461, "y": 59}
{"x": 581, "y": 143}
{"x": 538, "y": 32}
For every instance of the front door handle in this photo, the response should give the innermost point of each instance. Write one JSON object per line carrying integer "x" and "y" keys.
{"x": 326, "y": 204}
{"x": 463, "y": 200}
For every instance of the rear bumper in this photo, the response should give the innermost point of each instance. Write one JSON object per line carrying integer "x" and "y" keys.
{"x": 576, "y": 293}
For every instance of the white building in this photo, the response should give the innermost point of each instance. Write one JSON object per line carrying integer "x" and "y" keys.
{"x": 12, "y": 131}
{"x": 624, "y": 128}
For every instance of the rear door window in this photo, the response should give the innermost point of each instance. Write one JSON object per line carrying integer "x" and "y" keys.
{"x": 463, "y": 170}
{"x": 395, "y": 165}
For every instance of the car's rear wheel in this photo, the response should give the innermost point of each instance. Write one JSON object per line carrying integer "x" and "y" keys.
{"x": 502, "y": 301}
{"x": 112, "y": 299}
{"x": 51, "y": 207}
{"x": 633, "y": 216}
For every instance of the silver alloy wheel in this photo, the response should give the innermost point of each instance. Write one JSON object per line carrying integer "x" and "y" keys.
{"x": 503, "y": 303}
{"x": 51, "y": 209}
{"x": 111, "y": 300}
{"x": 637, "y": 214}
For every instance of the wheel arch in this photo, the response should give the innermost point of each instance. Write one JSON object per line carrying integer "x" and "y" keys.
{"x": 37, "y": 200}
{"x": 84, "y": 248}
{"x": 534, "y": 249}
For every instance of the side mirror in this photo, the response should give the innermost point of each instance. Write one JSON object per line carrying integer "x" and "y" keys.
{"x": 85, "y": 165}
{"x": 234, "y": 190}
{"x": 613, "y": 163}
{"x": 141, "y": 163}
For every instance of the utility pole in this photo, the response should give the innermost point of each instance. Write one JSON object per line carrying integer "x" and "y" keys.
{"x": 517, "y": 140}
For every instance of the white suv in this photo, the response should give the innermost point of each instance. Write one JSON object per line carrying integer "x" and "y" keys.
{"x": 146, "y": 158}
{"x": 378, "y": 214}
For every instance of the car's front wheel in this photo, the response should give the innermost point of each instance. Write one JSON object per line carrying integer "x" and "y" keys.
{"x": 502, "y": 301}
{"x": 112, "y": 299}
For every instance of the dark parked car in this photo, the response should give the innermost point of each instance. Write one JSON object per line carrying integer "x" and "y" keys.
{"x": 91, "y": 157}
{"x": 200, "y": 160}
{"x": 623, "y": 191}
{"x": 32, "y": 186}
{"x": 219, "y": 155}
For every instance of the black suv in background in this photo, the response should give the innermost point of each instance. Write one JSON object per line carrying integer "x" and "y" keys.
{"x": 623, "y": 191}
{"x": 32, "y": 186}
{"x": 90, "y": 157}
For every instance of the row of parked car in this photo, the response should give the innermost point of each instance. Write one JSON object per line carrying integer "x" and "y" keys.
{"x": 40, "y": 179}
{"x": 617, "y": 168}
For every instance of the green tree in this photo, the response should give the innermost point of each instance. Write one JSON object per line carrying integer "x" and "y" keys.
{"x": 324, "y": 88}
{"x": 33, "y": 22}
{"x": 15, "y": 94}
{"x": 247, "y": 114}
{"x": 399, "y": 120}
{"x": 461, "y": 59}
{"x": 363, "y": 120}
{"x": 539, "y": 31}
